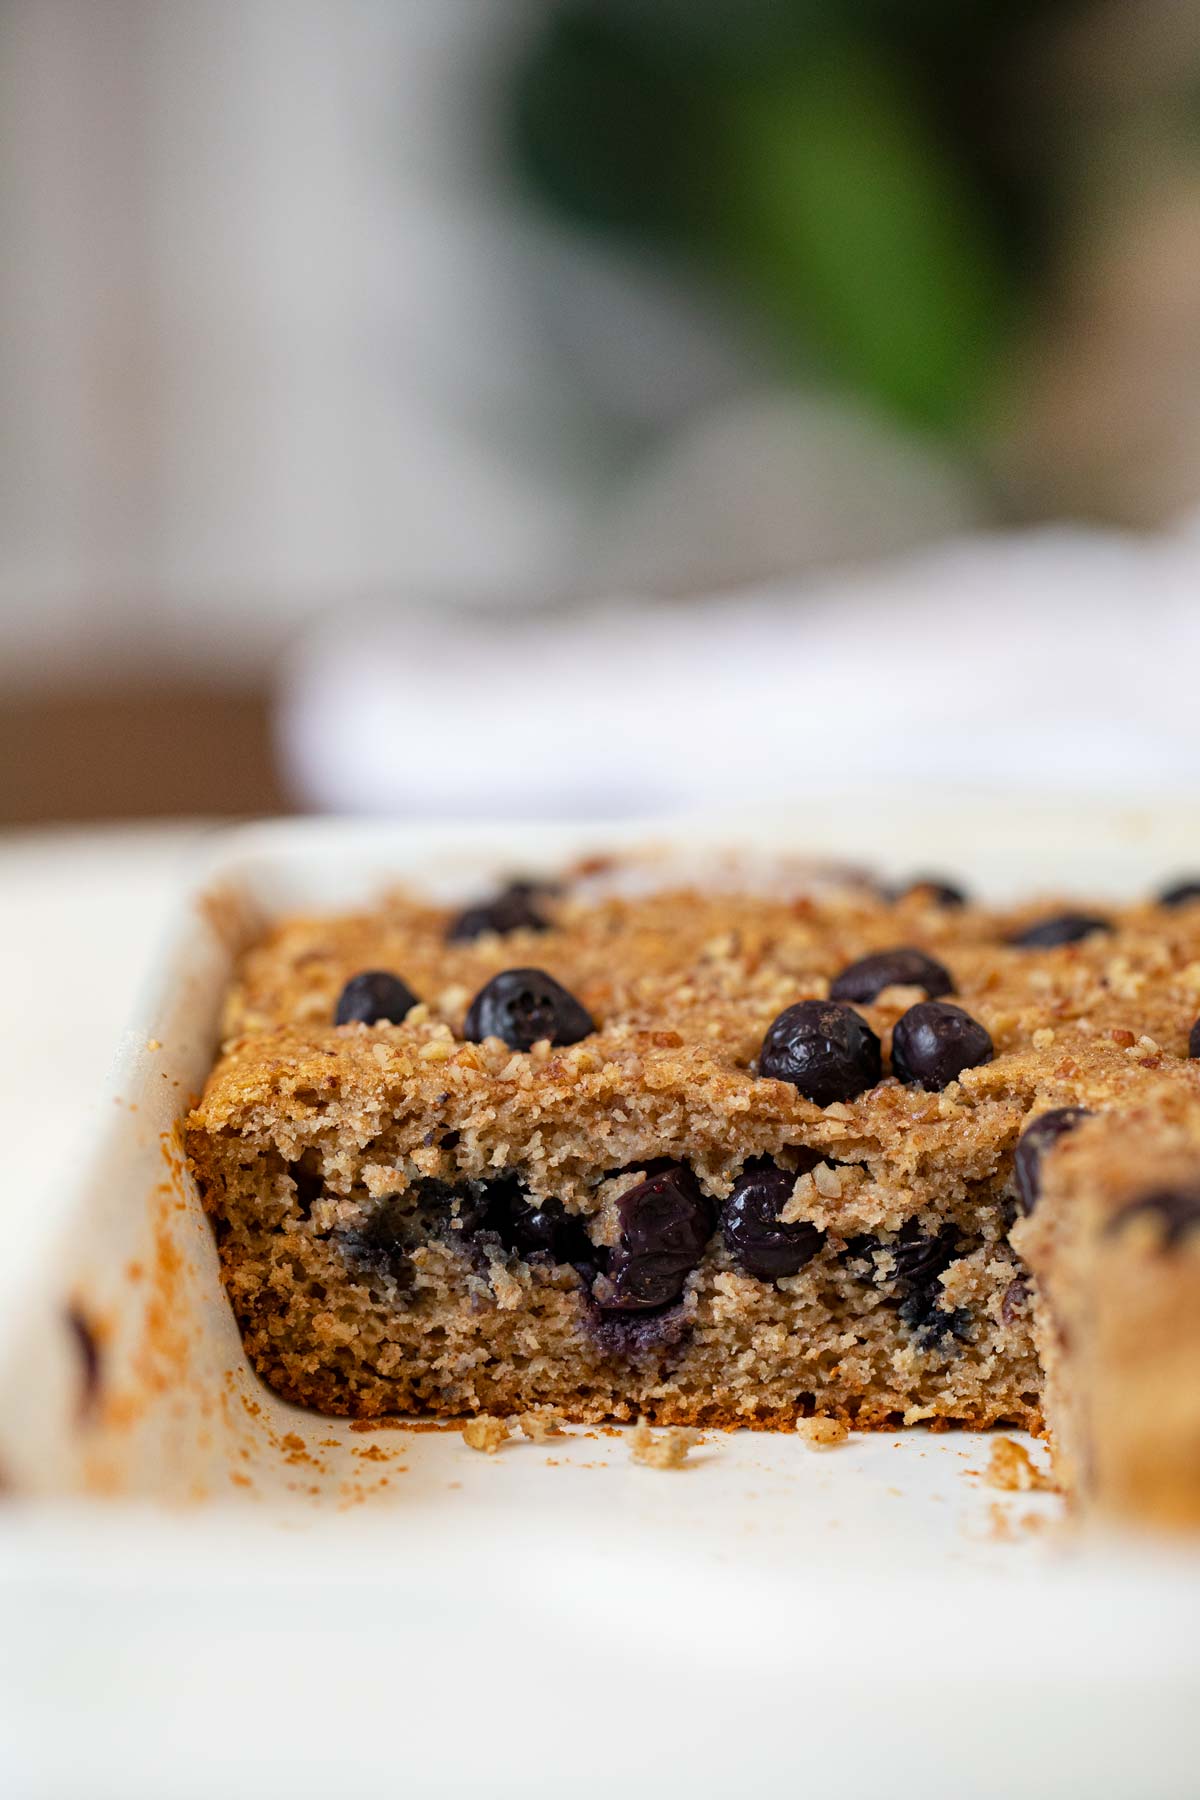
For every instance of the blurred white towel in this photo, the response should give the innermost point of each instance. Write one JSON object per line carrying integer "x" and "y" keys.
{"x": 1058, "y": 660}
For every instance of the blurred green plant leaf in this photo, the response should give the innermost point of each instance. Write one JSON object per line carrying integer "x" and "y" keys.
{"x": 837, "y": 204}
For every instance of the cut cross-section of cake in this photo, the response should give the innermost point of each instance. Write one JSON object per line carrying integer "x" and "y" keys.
{"x": 1114, "y": 1239}
{"x": 704, "y": 1158}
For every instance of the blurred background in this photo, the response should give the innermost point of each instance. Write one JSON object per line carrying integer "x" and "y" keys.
{"x": 593, "y": 406}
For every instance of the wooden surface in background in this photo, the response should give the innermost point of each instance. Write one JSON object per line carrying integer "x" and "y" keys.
{"x": 134, "y": 752}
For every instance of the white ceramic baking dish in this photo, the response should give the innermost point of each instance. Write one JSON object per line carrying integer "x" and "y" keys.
{"x": 178, "y": 1546}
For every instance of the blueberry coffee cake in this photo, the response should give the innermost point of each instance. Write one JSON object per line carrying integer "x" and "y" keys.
{"x": 727, "y": 1158}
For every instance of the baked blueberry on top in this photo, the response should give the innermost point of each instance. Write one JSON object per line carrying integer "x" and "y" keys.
{"x": 1181, "y": 893}
{"x": 1063, "y": 928}
{"x": 826, "y": 1051}
{"x": 374, "y": 997}
{"x": 932, "y": 888}
{"x": 864, "y": 980}
{"x": 526, "y": 1007}
{"x": 514, "y": 908}
{"x": 934, "y": 1042}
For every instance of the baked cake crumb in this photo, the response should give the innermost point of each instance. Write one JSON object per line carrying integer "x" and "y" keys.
{"x": 485, "y": 1433}
{"x": 1012, "y": 1468}
{"x": 540, "y": 1425}
{"x": 821, "y": 1433}
{"x": 663, "y": 1449}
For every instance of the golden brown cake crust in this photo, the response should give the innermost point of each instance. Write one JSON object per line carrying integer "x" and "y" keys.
{"x": 682, "y": 987}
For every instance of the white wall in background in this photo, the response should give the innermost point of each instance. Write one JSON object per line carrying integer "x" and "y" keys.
{"x": 276, "y": 339}
{"x": 262, "y": 344}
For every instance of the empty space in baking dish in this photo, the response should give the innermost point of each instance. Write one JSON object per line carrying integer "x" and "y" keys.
{"x": 122, "y": 1373}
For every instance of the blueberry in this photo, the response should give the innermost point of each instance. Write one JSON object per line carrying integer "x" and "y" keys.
{"x": 513, "y": 909}
{"x": 1033, "y": 1144}
{"x": 372, "y": 997}
{"x": 523, "y": 1006}
{"x": 1063, "y": 928}
{"x": 941, "y": 893}
{"x": 928, "y": 1322}
{"x": 533, "y": 884}
{"x": 824, "y": 1049}
{"x": 542, "y": 1227}
{"x": 917, "y": 1259}
{"x": 1180, "y": 893}
{"x": 750, "y": 1224}
{"x": 503, "y": 1207}
{"x": 864, "y": 980}
{"x": 920, "y": 1259}
{"x": 934, "y": 1042}
{"x": 382, "y": 1245}
{"x": 665, "y": 1225}
{"x": 1176, "y": 1210}
{"x": 1194, "y": 1040}
{"x": 466, "y": 1206}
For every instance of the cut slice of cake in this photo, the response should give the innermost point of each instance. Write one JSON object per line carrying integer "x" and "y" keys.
{"x": 1114, "y": 1240}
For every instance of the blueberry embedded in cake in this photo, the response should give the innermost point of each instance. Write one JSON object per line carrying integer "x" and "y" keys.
{"x": 715, "y": 1159}
{"x": 1036, "y": 1139}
